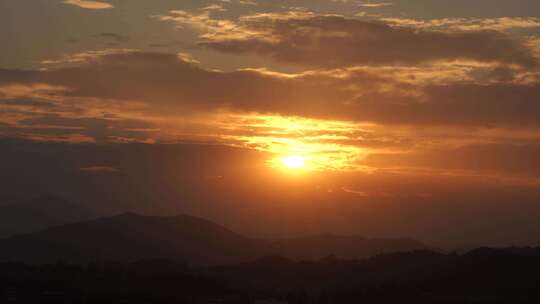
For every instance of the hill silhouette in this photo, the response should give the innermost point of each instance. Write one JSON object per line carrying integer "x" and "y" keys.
{"x": 484, "y": 275}
{"x": 131, "y": 237}
{"x": 345, "y": 247}
{"x": 39, "y": 213}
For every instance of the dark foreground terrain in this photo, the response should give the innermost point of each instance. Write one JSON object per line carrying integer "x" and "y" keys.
{"x": 510, "y": 275}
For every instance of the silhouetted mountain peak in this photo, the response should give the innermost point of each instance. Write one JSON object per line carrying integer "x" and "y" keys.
{"x": 181, "y": 224}
{"x": 39, "y": 213}
{"x": 131, "y": 236}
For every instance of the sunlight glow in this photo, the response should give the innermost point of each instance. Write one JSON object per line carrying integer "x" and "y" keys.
{"x": 293, "y": 162}
{"x": 296, "y": 142}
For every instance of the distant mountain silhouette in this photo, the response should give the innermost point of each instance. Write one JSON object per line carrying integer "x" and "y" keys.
{"x": 345, "y": 247}
{"x": 37, "y": 214}
{"x": 131, "y": 237}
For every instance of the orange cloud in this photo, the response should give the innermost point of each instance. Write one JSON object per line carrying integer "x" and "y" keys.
{"x": 305, "y": 38}
{"x": 338, "y": 119}
{"x": 167, "y": 84}
{"x": 95, "y": 5}
{"x": 469, "y": 24}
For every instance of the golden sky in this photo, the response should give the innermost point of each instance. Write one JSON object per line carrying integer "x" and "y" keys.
{"x": 385, "y": 90}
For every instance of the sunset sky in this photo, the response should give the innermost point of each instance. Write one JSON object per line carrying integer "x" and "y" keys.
{"x": 399, "y": 118}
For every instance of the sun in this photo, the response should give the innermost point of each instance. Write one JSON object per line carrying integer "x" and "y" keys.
{"x": 293, "y": 162}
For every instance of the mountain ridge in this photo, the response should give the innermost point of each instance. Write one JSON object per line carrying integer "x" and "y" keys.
{"x": 131, "y": 236}
{"x": 26, "y": 216}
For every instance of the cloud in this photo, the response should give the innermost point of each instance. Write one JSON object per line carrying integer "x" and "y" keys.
{"x": 459, "y": 104}
{"x": 111, "y": 38}
{"x": 304, "y": 38}
{"x": 96, "y": 5}
{"x": 247, "y": 2}
{"x": 166, "y": 84}
{"x": 338, "y": 116}
{"x": 375, "y": 5}
{"x": 468, "y": 24}
{"x": 66, "y": 138}
{"x": 99, "y": 169}
{"x": 84, "y": 57}
{"x": 43, "y": 112}
{"x": 213, "y": 7}
{"x": 517, "y": 160}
